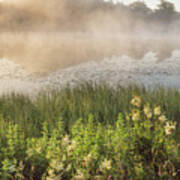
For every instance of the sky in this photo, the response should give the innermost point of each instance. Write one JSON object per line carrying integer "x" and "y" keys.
{"x": 153, "y": 3}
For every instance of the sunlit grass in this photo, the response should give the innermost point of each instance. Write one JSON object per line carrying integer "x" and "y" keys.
{"x": 102, "y": 101}
{"x": 140, "y": 143}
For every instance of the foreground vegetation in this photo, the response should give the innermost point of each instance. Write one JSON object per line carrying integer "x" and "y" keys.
{"x": 91, "y": 132}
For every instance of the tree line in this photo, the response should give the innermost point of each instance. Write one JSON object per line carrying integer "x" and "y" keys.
{"x": 89, "y": 15}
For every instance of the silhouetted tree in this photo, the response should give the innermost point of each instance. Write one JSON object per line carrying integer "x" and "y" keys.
{"x": 140, "y": 9}
{"x": 165, "y": 12}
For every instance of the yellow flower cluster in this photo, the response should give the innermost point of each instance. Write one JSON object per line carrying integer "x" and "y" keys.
{"x": 136, "y": 101}
{"x": 80, "y": 175}
{"x": 87, "y": 159}
{"x": 157, "y": 111}
{"x": 136, "y": 115}
{"x": 71, "y": 146}
{"x": 147, "y": 111}
{"x": 169, "y": 127}
{"x": 106, "y": 164}
{"x": 162, "y": 118}
{"x": 65, "y": 140}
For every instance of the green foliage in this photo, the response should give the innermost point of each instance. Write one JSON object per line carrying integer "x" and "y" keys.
{"x": 102, "y": 101}
{"x": 140, "y": 144}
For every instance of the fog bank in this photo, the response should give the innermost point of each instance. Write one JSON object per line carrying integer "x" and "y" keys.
{"x": 66, "y": 36}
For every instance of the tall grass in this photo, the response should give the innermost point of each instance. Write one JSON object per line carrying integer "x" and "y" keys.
{"x": 140, "y": 143}
{"x": 103, "y": 102}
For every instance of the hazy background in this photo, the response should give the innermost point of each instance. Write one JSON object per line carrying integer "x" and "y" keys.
{"x": 87, "y": 16}
{"x": 44, "y": 36}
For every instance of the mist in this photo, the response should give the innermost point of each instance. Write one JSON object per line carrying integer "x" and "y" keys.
{"x": 44, "y": 36}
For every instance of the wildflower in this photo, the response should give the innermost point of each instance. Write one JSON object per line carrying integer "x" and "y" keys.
{"x": 149, "y": 115}
{"x": 74, "y": 144}
{"x": 79, "y": 176}
{"x": 136, "y": 101}
{"x": 169, "y": 127}
{"x": 65, "y": 140}
{"x": 147, "y": 111}
{"x": 162, "y": 118}
{"x": 99, "y": 177}
{"x": 157, "y": 111}
{"x": 87, "y": 159}
{"x": 38, "y": 149}
{"x": 51, "y": 172}
{"x": 106, "y": 164}
{"x": 79, "y": 172}
{"x": 69, "y": 167}
{"x": 71, "y": 147}
{"x": 49, "y": 178}
{"x": 54, "y": 164}
{"x": 136, "y": 115}
{"x": 127, "y": 117}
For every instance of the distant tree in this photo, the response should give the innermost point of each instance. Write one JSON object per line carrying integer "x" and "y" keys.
{"x": 140, "y": 8}
{"x": 164, "y": 16}
{"x": 165, "y": 12}
{"x": 139, "y": 14}
{"x": 166, "y": 6}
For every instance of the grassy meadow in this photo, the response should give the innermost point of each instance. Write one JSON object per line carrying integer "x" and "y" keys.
{"x": 91, "y": 132}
